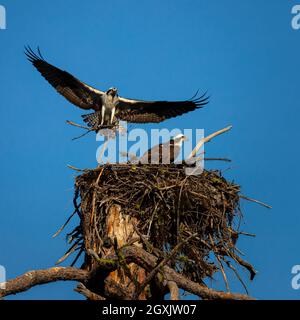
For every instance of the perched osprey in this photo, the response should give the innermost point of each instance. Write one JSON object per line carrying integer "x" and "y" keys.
{"x": 164, "y": 152}
{"x": 108, "y": 105}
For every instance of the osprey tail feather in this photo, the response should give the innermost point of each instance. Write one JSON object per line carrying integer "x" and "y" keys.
{"x": 92, "y": 119}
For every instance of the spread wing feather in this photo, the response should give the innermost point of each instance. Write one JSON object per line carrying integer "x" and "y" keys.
{"x": 75, "y": 91}
{"x": 140, "y": 111}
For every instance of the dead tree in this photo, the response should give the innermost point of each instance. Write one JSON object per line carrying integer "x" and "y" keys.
{"x": 149, "y": 230}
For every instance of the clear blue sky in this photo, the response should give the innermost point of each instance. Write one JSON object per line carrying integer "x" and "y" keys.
{"x": 244, "y": 52}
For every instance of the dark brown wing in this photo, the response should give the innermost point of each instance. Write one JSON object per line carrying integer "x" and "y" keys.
{"x": 75, "y": 91}
{"x": 140, "y": 111}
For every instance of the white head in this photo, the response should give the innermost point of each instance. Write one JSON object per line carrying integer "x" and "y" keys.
{"x": 112, "y": 91}
{"x": 179, "y": 139}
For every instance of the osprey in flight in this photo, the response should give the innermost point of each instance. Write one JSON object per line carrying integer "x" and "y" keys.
{"x": 108, "y": 105}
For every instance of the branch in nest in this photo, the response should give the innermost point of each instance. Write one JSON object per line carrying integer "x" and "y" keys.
{"x": 256, "y": 201}
{"x": 64, "y": 225}
{"x": 77, "y": 169}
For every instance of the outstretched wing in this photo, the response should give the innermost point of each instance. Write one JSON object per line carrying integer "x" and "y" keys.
{"x": 140, "y": 111}
{"x": 75, "y": 91}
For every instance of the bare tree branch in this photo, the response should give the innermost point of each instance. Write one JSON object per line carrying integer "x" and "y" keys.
{"x": 207, "y": 139}
{"x": 161, "y": 264}
{"x": 131, "y": 254}
{"x": 148, "y": 261}
{"x": 37, "y": 277}
{"x": 81, "y": 288}
{"x": 174, "y": 291}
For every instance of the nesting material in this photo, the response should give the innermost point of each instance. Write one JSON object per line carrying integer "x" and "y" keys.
{"x": 168, "y": 207}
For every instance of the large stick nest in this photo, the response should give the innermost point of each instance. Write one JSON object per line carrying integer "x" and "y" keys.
{"x": 170, "y": 207}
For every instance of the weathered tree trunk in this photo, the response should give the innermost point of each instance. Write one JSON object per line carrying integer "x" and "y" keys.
{"x": 120, "y": 230}
{"x": 124, "y": 282}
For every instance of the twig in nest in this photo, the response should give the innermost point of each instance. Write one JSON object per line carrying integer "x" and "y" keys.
{"x": 219, "y": 262}
{"x": 94, "y": 196}
{"x": 256, "y": 201}
{"x": 64, "y": 225}
{"x": 151, "y": 220}
{"x": 150, "y": 248}
{"x": 78, "y": 255}
{"x": 241, "y": 262}
{"x": 247, "y": 234}
{"x": 65, "y": 256}
{"x": 77, "y": 169}
{"x": 223, "y": 273}
{"x": 83, "y": 170}
{"x": 237, "y": 275}
{"x": 178, "y": 208}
